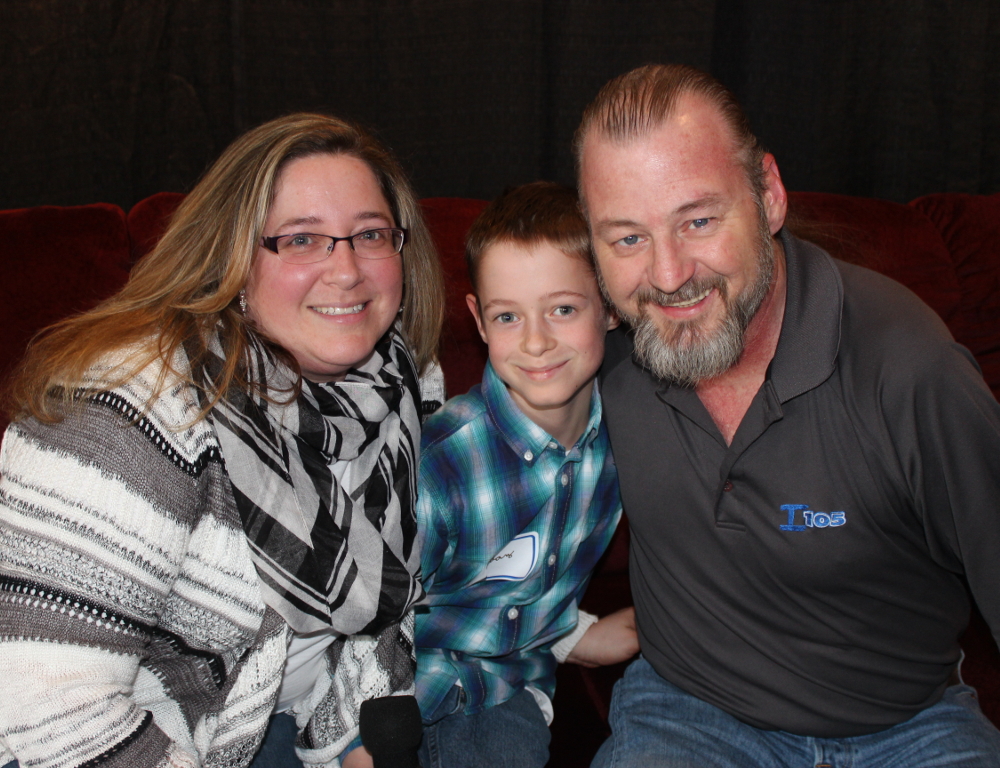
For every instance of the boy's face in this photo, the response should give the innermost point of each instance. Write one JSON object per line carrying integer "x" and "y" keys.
{"x": 541, "y": 314}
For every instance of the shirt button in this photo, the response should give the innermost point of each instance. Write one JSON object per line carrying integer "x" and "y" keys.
{"x": 553, "y": 444}
{"x": 512, "y": 614}
{"x": 528, "y": 455}
{"x": 564, "y": 480}
{"x": 552, "y": 559}
{"x": 727, "y": 486}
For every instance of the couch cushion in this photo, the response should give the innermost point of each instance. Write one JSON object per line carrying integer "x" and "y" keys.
{"x": 85, "y": 259}
{"x": 462, "y": 351}
{"x": 891, "y": 238}
{"x": 970, "y": 228}
{"x": 147, "y": 221}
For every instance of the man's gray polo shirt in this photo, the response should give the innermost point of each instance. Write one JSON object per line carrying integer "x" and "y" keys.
{"x": 809, "y": 577}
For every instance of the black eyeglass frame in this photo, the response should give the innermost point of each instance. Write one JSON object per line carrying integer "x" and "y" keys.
{"x": 271, "y": 243}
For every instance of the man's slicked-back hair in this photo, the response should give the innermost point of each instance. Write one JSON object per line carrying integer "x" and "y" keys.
{"x": 634, "y": 104}
{"x": 541, "y": 211}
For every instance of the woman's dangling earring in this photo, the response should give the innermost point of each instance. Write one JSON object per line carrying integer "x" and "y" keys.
{"x": 243, "y": 302}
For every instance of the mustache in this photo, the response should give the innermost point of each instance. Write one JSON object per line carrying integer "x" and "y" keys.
{"x": 690, "y": 290}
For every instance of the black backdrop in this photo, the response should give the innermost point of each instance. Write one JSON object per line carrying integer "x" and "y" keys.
{"x": 112, "y": 100}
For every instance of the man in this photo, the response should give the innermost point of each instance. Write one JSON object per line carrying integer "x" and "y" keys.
{"x": 810, "y": 465}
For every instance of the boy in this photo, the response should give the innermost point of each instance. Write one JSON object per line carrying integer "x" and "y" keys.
{"x": 518, "y": 494}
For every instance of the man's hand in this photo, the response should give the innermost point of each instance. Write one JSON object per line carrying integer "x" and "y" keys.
{"x": 358, "y": 758}
{"x": 610, "y": 640}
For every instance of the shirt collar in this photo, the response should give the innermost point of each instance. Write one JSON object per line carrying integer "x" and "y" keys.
{"x": 810, "y": 329}
{"x": 525, "y": 437}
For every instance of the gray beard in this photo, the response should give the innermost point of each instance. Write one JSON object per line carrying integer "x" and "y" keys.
{"x": 686, "y": 354}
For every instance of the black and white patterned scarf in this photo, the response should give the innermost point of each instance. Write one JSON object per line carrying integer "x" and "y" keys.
{"x": 325, "y": 487}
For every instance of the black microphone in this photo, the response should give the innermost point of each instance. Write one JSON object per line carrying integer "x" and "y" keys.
{"x": 391, "y": 730}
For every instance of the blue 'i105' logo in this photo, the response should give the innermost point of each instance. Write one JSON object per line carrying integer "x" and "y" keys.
{"x": 811, "y": 519}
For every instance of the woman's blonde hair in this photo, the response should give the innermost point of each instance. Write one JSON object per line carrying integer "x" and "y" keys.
{"x": 189, "y": 285}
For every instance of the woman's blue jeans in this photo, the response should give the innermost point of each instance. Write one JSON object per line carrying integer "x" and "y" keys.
{"x": 656, "y": 725}
{"x": 276, "y": 751}
{"x": 278, "y": 748}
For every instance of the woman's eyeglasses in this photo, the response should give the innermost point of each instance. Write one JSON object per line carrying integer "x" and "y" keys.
{"x": 308, "y": 248}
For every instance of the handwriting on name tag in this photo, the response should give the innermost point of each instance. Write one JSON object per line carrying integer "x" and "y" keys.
{"x": 514, "y": 562}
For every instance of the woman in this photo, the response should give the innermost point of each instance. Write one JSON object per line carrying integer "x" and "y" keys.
{"x": 206, "y": 510}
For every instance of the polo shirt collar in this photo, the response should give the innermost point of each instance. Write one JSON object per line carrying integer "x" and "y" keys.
{"x": 810, "y": 329}
{"x": 525, "y": 437}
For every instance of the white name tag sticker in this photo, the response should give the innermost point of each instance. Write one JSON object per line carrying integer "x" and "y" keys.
{"x": 514, "y": 562}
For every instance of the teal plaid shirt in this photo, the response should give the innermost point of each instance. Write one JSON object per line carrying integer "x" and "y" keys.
{"x": 511, "y": 526}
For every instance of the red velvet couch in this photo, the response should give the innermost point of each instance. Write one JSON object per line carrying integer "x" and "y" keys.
{"x": 945, "y": 247}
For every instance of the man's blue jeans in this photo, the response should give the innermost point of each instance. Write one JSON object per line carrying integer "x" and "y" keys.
{"x": 510, "y": 735}
{"x": 656, "y": 725}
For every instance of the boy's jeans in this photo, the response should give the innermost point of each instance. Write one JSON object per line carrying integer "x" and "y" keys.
{"x": 656, "y": 725}
{"x": 509, "y": 735}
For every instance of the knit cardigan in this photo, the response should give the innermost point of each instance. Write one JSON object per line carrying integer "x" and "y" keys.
{"x": 132, "y": 628}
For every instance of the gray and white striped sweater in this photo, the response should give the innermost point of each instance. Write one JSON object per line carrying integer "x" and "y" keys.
{"x": 132, "y": 629}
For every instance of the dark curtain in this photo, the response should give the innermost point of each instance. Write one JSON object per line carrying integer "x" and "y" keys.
{"x": 112, "y": 100}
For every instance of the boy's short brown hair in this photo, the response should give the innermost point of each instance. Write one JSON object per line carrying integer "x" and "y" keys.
{"x": 541, "y": 211}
